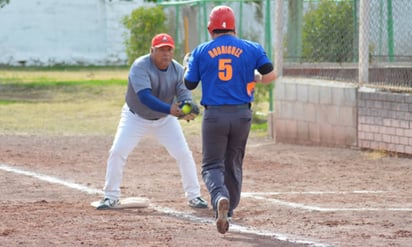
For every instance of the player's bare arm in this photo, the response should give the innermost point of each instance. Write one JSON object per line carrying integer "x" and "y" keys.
{"x": 265, "y": 74}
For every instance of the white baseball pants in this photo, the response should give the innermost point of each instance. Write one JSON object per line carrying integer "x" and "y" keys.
{"x": 168, "y": 132}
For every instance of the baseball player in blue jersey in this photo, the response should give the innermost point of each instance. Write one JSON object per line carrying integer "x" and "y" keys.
{"x": 154, "y": 89}
{"x": 228, "y": 68}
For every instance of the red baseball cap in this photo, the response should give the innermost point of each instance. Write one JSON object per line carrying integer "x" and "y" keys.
{"x": 163, "y": 39}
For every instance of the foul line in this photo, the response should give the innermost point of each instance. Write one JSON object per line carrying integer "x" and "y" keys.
{"x": 51, "y": 179}
{"x": 314, "y": 192}
{"x": 316, "y": 208}
{"x": 169, "y": 211}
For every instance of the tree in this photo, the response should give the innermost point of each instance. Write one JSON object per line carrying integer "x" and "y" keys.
{"x": 3, "y": 3}
{"x": 143, "y": 23}
{"x": 328, "y": 32}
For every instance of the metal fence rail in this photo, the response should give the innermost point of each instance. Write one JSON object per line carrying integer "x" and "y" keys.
{"x": 323, "y": 39}
{"x": 331, "y": 39}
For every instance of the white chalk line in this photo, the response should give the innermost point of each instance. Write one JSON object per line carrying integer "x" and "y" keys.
{"x": 51, "y": 179}
{"x": 169, "y": 211}
{"x": 316, "y": 192}
{"x": 258, "y": 196}
{"x": 239, "y": 228}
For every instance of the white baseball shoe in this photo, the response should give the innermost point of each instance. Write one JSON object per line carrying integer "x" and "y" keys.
{"x": 197, "y": 202}
{"x": 107, "y": 203}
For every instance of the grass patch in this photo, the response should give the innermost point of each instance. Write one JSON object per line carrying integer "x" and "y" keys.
{"x": 70, "y": 75}
{"x": 259, "y": 128}
{"x": 6, "y": 102}
{"x": 71, "y": 101}
{"x": 381, "y": 154}
{"x": 61, "y": 101}
{"x": 60, "y": 118}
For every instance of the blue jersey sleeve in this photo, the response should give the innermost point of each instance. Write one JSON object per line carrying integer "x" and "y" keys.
{"x": 262, "y": 59}
{"x": 192, "y": 75}
{"x": 147, "y": 98}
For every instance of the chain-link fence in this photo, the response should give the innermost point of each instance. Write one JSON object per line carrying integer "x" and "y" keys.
{"x": 320, "y": 37}
{"x": 189, "y": 19}
{"x": 390, "y": 43}
{"x": 254, "y": 21}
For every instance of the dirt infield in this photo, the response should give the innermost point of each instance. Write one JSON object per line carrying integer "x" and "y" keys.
{"x": 293, "y": 196}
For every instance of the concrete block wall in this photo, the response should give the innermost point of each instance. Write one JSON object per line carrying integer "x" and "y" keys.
{"x": 385, "y": 121}
{"x": 314, "y": 112}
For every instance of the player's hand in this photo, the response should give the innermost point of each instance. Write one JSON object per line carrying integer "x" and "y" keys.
{"x": 189, "y": 110}
{"x": 175, "y": 110}
{"x": 188, "y": 117}
{"x": 186, "y": 59}
{"x": 258, "y": 76}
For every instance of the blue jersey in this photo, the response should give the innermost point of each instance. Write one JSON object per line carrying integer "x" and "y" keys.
{"x": 226, "y": 68}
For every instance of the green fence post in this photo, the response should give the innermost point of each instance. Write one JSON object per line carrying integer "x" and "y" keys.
{"x": 240, "y": 20}
{"x": 355, "y": 32}
{"x": 380, "y": 27}
{"x": 268, "y": 46}
{"x": 294, "y": 34}
{"x": 177, "y": 24}
{"x": 206, "y": 20}
{"x": 390, "y": 32}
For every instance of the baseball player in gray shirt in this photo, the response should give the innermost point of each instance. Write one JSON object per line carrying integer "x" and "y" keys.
{"x": 154, "y": 89}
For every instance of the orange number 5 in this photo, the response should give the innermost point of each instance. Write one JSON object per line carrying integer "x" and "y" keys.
{"x": 225, "y": 69}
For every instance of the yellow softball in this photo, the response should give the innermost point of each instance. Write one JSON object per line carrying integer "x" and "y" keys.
{"x": 186, "y": 108}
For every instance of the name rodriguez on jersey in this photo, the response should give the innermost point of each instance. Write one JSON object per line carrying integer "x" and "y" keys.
{"x": 225, "y": 49}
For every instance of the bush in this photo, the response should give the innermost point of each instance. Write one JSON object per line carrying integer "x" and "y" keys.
{"x": 328, "y": 32}
{"x": 3, "y": 3}
{"x": 143, "y": 23}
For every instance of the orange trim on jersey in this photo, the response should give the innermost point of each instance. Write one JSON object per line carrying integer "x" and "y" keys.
{"x": 250, "y": 88}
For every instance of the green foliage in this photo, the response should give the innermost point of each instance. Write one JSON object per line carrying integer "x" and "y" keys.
{"x": 143, "y": 23}
{"x": 3, "y": 3}
{"x": 328, "y": 32}
{"x": 259, "y": 126}
{"x": 261, "y": 97}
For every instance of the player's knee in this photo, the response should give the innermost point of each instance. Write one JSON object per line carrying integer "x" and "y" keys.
{"x": 182, "y": 153}
{"x": 118, "y": 153}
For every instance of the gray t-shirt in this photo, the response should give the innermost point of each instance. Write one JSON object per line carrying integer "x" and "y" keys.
{"x": 166, "y": 85}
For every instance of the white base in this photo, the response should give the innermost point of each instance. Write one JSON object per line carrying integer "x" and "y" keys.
{"x": 128, "y": 202}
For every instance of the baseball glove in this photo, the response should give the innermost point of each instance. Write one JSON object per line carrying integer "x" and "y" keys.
{"x": 189, "y": 109}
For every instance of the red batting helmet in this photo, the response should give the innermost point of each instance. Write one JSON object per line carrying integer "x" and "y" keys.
{"x": 221, "y": 18}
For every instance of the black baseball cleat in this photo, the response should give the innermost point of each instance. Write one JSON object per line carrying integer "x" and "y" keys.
{"x": 222, "y": 222}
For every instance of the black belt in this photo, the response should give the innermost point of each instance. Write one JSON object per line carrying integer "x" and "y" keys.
{"x": 152, "y": 119}
{"x": 241, "y": 106}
